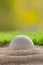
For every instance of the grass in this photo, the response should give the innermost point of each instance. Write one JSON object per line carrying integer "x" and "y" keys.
{"x": 6, "y": 37}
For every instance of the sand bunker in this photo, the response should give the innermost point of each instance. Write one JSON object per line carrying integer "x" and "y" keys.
{"x": 21, "y": 57}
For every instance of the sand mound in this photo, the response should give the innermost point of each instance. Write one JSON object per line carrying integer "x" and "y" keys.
{"x": 21, "y": 57}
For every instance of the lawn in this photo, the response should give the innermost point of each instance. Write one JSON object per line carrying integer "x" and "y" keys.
{"x": 6, "y": 37}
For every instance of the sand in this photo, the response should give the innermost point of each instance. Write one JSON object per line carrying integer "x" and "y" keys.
{"x": 21, "y": 57}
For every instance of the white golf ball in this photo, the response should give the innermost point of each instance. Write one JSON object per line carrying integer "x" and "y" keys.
{"x": 21, "y": 42}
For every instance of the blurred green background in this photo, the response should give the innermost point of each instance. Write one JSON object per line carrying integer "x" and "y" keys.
{"x": 6, "y": 37}
{"x": 21, "y": 15}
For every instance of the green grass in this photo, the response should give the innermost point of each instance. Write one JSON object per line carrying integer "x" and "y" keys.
{"x": 6, "y": 37}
